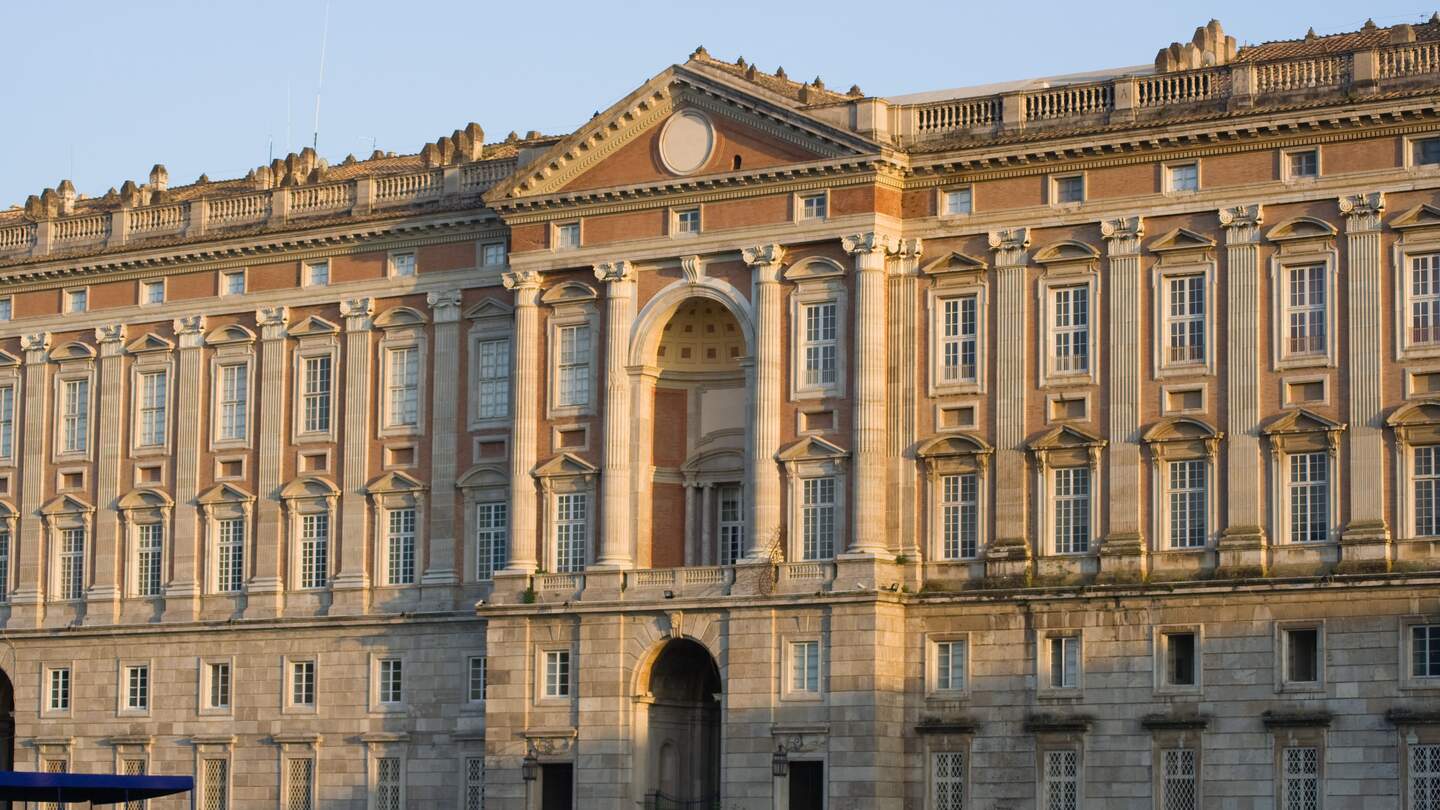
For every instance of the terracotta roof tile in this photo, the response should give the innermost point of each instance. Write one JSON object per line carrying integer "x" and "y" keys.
{"x": 1363, "y": 39}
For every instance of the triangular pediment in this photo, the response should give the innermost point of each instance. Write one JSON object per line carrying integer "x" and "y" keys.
{"x": 309, "y": 486}
{"x": 1301, "y": 421}
{"x": 229, "y": 334}
{"x": 1301, "y": 228}
{"x": 955, "y": 262}
{"x": 954, "y": 444}
{"x": 149, "y": 342}
{"x": 399, "y": 316}
{"x": 394, "y": 482}
{"x": 1068, "y": 251}
{"x": 145, "y": 498}
{"x": 1423, "y": 215}
{"x": 484, "y": 475}
{"x": 687, "y": 121}
{"x": 224, "y": 493}
{"x": 313, "y": 325}
{"x": 565, "y": 465}
{"x": 66, "y": 504}
{"x": 1179, "y": 429}
{"x": 489, "y": 308}
{"x": 810, "y": 448}
{"x": 7, "y": 359}
{"x": 1064, "y": 437}
{"x": 1181, "y": 239}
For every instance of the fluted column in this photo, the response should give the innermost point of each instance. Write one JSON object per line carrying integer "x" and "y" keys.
{"x": 1123, "y": 549}
{"x": 103, "y": 598}
{"x": 440, "y": 572}
{"x": 1366, "y": 537}
{"x": 902, "y": 314}
{"x": 615, "y": 545}
{"x": 526, "y": 285}
{"x": 1009, "y": 553}
{"x": 265, "y": 591}
{"x": 1242, "y": 543}
{"x": 867, "y": 531}
{"x": 762, "y": 541}
{"x": 182, "y": 595}
{"x": 29, "y": 589}
{"x": 351, "y": 578}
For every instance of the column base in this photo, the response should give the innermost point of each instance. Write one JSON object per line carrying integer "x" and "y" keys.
{"x": 349, "y": 596}
{"x": 864, "y": 571}
{"x": 437, "y": 589}
{"x": 25, "y": 608}
{"x": 754, "y": 577}
{"x": 102, "y": 606}
{"x": 1008, "y": 563}
{"x": 512, "y": 587}
{"x": 264, "y": 599}
{"x": 1122, "y": 558}
{"x": 182, "y": 602}
{"x": 1243, "y": 553}
{"x": 1365, "y": 548}
{"x": 604, "y": 584}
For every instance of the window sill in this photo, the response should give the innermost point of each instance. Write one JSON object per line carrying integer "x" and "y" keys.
{"x": 400, "y": 431}
{"x": 230, "y": 444}
{"x": 948, "y": 695}
{"x": 954, "y": 388}
{"x": 818, "y": 392}
{"x": 1304, "y": 361}
{"x": 490, "y": 423}
{"x": 315, "y": 438}
{"x": 1069, "y": 694}
{"x": 150, "y": 451}
{"x": 1068, "y": 379}
{"x": 299, "y": 710}
{"x": 1180, "y": 691}
{"x": 803, "y": 697}
{"x": 1198, "y": 368}
{"x": 1307, "y": 688}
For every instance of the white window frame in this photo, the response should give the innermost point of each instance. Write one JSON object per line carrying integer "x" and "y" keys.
{"x": 940, "y": 495}
{"x": 1044, "y": 661}
{"x": 206, "y": 686}
{"x": 393, "y": 263}
{"x": 289, "y": 702}
{"x": 380, "y": 700}
{"x": 1054, "y": 190}
{"x": 69, "y": 300}
{"x": 1163, "y": 275}
{"x": 677, "y": 218}
{"x": 942, "y": 201}
{"x": 9, "y": 389}
{"x": 75, "y": 373}
{"x": 584, "y": 521}
{"x": 1051, "y": 503}
{"x": 799, "y": 204}
{"x": 407, "y": 337}
{"x": 562, "y": 693}
{"x": 1412, "y": 245}
{"x": 556, "y": 245}
{"x": 223, "y": 285}
{"x": 313, "y": 347}
{"x": 1283, "y": 514}
{"x": 1160, "y": 643}
{"x": 148, "y": 285}
{"x": 58, "y": 526}
{"x": 220, "y": 369}
{"x": 1168, "y": 171}
{"x": 490, "y": 321}
{"x": 1409, "y": 681}
{"x": 310, "y": 272}
{"x": 486, "y": 247}
{"x": 124, "y": 707}
{"x": 1281, "y": 266}
{"x": 938, "y": 298}
{"x": 139, "y": 523}
{"x": 485, "y": 486}
{"x": 141, "y": 443}
{"x": 1161, "y": 486}
{"x": 572, "y": 304}
{"x": 1072, "y": 276}
{"x": 792, "y": 646}
{"x": 935, "y": 685}
{"x": 7, "y": 308}
{"x": 387, "y": 525}
{"x": 474, "y": 663}
{"x": 48, "y": 671}
{"x": 1286, "y": 164}
{"x": 818, "y": 282}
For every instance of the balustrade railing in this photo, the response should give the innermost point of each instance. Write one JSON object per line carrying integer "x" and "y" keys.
{"x": 409, "y": 187}
{"x": 1066, "y": 102}
{"x": 234, "y": 210}
{"x": 159, "y": 218}
{"x": 82, "y": 229}
{"x": 322, "y": 198}
{"x": 1416, "y": 59}
{"x": 476, "y": 177}
{"x": 17, "y": 237}
{"x": 1181, "y": 88}
{"x": 1302, "y": 74}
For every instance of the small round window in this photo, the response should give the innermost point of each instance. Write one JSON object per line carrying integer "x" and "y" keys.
{"x": 686, "y": 142}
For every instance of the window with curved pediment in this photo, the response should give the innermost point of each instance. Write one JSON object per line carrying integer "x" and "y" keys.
{"x": 1417, "y": 468}
{"x": 957, "y": 311}
{"x": 715, "y": 519}
{"x": 486, "y": 491}
{"x": 310, "y": 506}
{"x": 573, "y": 332}
{"x": 818, "y": 329}
{"x": 146, "y": 516}
{"x": 1304, "y": 289}
{"x": 956, "y": 469}
{"x": 1183, "y": 453}
{"x": 1069, "y": 307}
{"x": 1303, "y": 450}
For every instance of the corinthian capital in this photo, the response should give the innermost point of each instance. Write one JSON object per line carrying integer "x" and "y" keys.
{"x": 616, "y": 272}
{"x": 765, "y": 260}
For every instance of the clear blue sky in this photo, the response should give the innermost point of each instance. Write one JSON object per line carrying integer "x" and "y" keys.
{"x": 100, "y": 91}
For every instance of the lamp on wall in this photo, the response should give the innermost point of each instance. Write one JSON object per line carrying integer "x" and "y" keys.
{"x": 529, "y": 767}
{"x": 780, "y": 763}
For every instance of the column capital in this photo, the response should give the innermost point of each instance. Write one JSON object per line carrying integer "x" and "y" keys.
{"x": 614, "y": 273}
{"x": 272, "y": 322}
{"x": 36, "y": 346}
{"x": 1362, "y": 211}
{"x": 445, "y": 305}
{"x": 1009, "y": 245}
{"x": 190, "y": 329}
{"x": 867, "y": 243}
{"x": 110, "y": 336}
{"x": 906, "y": 257}
{"x": 1242, "y": 222}
{"x": 357, "y": 312}
{"x": 766, "y": 259}
{"x": 1123, "y": 234}
{"x": 525, "y": 284}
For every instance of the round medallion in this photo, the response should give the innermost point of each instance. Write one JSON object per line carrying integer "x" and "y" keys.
{"x": 686, "y": 142}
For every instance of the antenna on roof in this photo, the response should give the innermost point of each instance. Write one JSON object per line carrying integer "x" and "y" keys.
{"x": 324, "y": 37}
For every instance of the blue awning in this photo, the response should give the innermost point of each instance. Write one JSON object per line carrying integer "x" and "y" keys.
{"x": 95, "y": 788}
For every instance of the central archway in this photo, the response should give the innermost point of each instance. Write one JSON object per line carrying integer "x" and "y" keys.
{"x": 679, "y": 749}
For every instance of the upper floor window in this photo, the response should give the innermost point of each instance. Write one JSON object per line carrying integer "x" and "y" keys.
{"x": 1302, "y": 164}
{"x": 491, "y": 538}
{"x": 152, "y": 292}
{"x": 949, "y": 655}
{"x": 392, "y": 681}
{"x": 317, "y": 274}
{"x": 574, "y": 365}
{"x": 1425, "y": 299}
{"x": 1185, "y": 320}
{"x": 58, "y": 694}
{"x": 230, "y": 548}
{"x": 959, "y": 516}
{"x": 958, "y": 338}
{"x": 402, "y": 386}
{"x": 1070, "y": 332}
{"x": 493, "y": 379}
{"x": 687, "y": 221}
{"x": 149, "y": 556}
{"x": 1068, "y": 189}
{"x": 567, "y": 236}
{"x": 1187, "y": 503}
{"x": 1427, "y": 491}
{"x": 572, "y": 530}
{"x": 72, "y": 564}
{"x": 402, "y": 265}
{"x": 7, "y": 421}
{"x": 137, "y": 687}
{"x": 302, "y": 683}
{"x": 818, "y": 518}
{"x": 232, "y": 282}
{"x": 805, "y": 667}
{"x": 77, "y": 300}
{"x": 1305, "y": 313}
{"x": 400, "y": 548}
{"x": 154, "y": 408}
{"x": 820, "y": 344}
{"x": 1425, "y": 151}
{"x": 1309, "y": 492}
{"x": 218, "y": 675}
{"x": 7, "y": 308}
{"x": 234, "y": 401}
{"x": 1063, "y": 659}
{"x": 557, "y": 673}
{"x": 814, "y": 206}
{"x": 1425, "y": 651}
{"x": 1182, "y": 177}
{"x": 492, "y": 254}
{"x": 731, "y": 528}
{"x": 75, "y": 415}
{"x": 1072, "y": 510}
{"x": 314, "y": 550}
{"x": 959, "y": 201}
{"x": 317, "y": 394}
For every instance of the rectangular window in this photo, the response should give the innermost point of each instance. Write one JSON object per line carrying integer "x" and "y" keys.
{"x": 1071, "y": 332}
{"x": 574, "y": 370}
{"x": 1065, "y": 662}
{"x": 1301, "y": 789}
{"x": 571, "y": 532}
{"x": 154, "y": 408}
{"x": 232, "y": 282}
{"x": 75, "y": 415}
{"x": 1062, "y": 780}
{"x": 1187, "y": 503}
{"x": 77, "y": 300}
{"x": 317, "y": 274}
{"x": 1302, "y": 655}
{"x": 947, "y": 780}
{"x": 314, "y": 550}
{"x": 387, "y": 783}
{"x": 392, "y": 681}
{"x": 820, "y": 343}
{"x": 7, "y": 308}
{"x": 402, "y": 386}
{"x": 805, "y": 667}
{"x": 1309, "y": 497}
{"x": 1185, "y": 320}
{"x": 1424, "y": 769}
{"x": 133, "y": 767}
{"x": 234, "y": 401}
{"x": 491, "y": 538}
{"x": 687, "y": 221}
{"x": 230, "y": 561}
{"x": 1425, "y": 651}
{"x": 1426, "y": 151}
{"x": 72, "y": 563}
{"x": 215, "y": 784}
{"x": 299, "y": 789}
{"x": 7, "y": 421}
{"x": 1181, "y": 661}
{"x": 493, "y": 394}
{"x": 1425, "y": 299}
{"x": 959, "y": 201}
{"x": 219, "y": 686}
{"x": 1305, "y": 310}
{"x": 1070, "y": 189}
{"x": 137, "y": 688}
{"x": 4, "y": 564}
{"x": 1303, "y": 164}
{"x": 402, "y": 265}
{"x": 567, "y": 236}
{"x": 493, "y": 254}
{"x": 58, "y": 699}
{"x": 557, "y": 673}
{"x": 317, "y": 394}
{"x": 950, "y": 665}
{"x": 149, "y": 554}
{"x": 152, "y": 292}
{"x": 1072, "y": 510}
{"x": 817, "y": 518}
{"x": 1427, "y": 491}
{"x": 302, "y": 683}
{"x": 475, "y": 680}
{"x": 958, "y": 335}
{"x": 1178, "y": 787}
{"x": 400, "y": 548}
{"x": 959, "y": 516}
{"x": 1183, "y": 177}
{"x": 814, "y": 206}
{"x": 475, "y": 783}
{"x": 731, "y": 524}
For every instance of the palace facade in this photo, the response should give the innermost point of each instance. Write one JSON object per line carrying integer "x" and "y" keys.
{"x": 1056, "y": 444}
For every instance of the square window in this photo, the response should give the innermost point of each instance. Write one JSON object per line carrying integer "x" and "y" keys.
{"x": 492, "y": 254}
{"x": 687, "y": 220}
{"x": 805, "y": 667}
{"x": 1302, "y": 655}
{"x": 1183, "y": 177}
{"x": 557, "y": 673}
{"x": 1302, "y": 164}
{"x": 1069, "y": 189}
{"x": 959, "y": 201}
{"x": 1182, "y": 663}
{"x": 317, "y": 274}
{"x": 232, "y": 282}
{"x": 1426, "y": 151}
{"x": 152, "y": 292}
{"x": 1064, "y": 662}
{"x": 76, "y": 300}
{"x": 567, "y": 236}
{"x": 402, "y": 265}
{"x": 814, "y": 206}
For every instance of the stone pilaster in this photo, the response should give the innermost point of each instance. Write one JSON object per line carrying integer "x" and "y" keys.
{"x": 351, "y": 578}
{"x": 867, "y": 528}
{"x": 1365, "y": 544}
{"x": 1122, "y": 552}
{"x": 903, "y": 318}
{"x": 182, "y": 595}
{"x": 526, "y": 285}
{"x": 29, "y": 588}
{"x": 265, "y": 593}
{"x": 102, "y": 601}
{"x": 440, "y": 577}
{"x": 1009, "y": 554}
{"x": 763, "y": 541}
{"x": 615, "y": 545}
{"x": 1242, "y": 543}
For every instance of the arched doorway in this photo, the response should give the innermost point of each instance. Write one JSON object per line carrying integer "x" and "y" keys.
{"x": 678, "y": 750}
